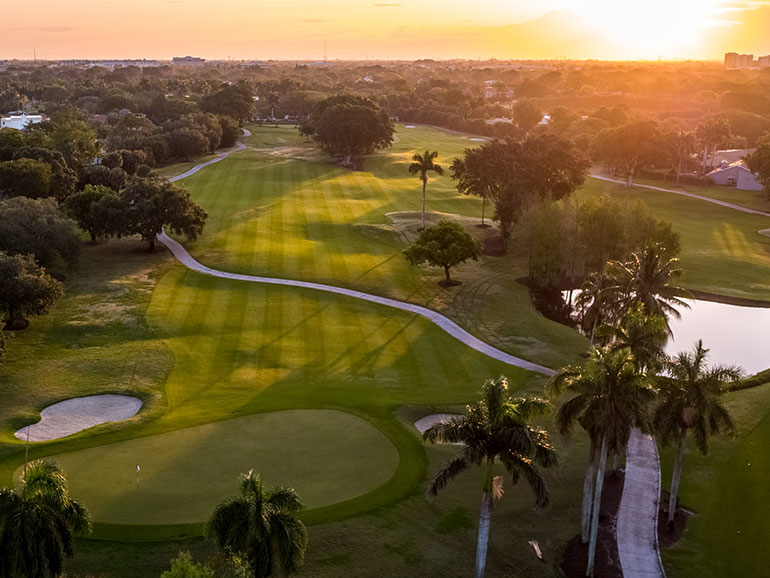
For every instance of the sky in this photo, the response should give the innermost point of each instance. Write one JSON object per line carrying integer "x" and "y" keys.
{"x": 387, "y": 29}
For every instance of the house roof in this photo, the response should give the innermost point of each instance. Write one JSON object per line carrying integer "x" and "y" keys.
{"x": 730, "y": 156}
{"x": 738, "y": 165}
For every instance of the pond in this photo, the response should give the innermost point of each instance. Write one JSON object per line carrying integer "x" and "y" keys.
{"x": 734, "y": 334}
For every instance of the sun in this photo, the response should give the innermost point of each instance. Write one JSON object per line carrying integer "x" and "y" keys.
{"x": 650, "y": 28}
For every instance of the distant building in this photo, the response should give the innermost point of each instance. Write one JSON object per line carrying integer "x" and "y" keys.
{"x": 720, "y": 159}
{"x": 736, "y": 175}
{"x": 189, "y": 61}
{"x": 734, "y": 61}
{"x": 18, "y": 120}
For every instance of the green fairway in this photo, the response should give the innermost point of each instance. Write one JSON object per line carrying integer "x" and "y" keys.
{"x": 327, "y": 456}
{"x": 721, "y": 250}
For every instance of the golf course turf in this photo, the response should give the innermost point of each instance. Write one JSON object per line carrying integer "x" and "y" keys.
{"x": 236, "y": 375}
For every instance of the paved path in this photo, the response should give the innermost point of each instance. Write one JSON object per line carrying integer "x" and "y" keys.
{"x": 637, "y": 527}
{"x": 443, "y": 322}
{"x": 685, "y": 194}
{"x": 239, "y": 146}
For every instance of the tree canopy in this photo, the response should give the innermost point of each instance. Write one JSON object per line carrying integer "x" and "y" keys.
{"x": 445, "y": 245}
{"x": 516, "y": 174}
{"x": 36, "y": 227}
{"x": 630, "y": 147}
{"x": 153, "y": 203}
{"x": 350, "y": 126}
{"x": 25, "y": 288}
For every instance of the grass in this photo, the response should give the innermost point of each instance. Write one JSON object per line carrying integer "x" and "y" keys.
{"x": 328, "y": 456}
{"x": 202, "y": 351}
{"x": 727, "y": 490}
{"x": 721, "y": 252}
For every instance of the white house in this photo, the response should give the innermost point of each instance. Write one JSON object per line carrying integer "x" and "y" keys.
{"x": 735, "y": 175}
{"x": 18, "y": 120}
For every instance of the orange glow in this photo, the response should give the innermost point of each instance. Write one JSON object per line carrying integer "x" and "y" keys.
{"x": 380, "y": 29}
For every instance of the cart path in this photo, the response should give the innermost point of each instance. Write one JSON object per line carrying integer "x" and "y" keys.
{"x": 684, "y": 194}
{"x": 637, "y": 525}
{"x": 443, "y": 322}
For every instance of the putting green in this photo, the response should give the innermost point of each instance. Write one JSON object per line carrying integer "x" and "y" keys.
{"x": 327, "y": 456}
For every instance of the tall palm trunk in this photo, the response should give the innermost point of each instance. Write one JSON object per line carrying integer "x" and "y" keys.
{"x": 588, "y": 494}
{"x": 484, "y": 522}
{"x": 424, "y": 184}
{"x": 677, "y": 475}
{"x": 705, "y": 158}
{"x": 678, "y": 171}
{"x": 483, "y": 206}
{"x": 596, "y": 508}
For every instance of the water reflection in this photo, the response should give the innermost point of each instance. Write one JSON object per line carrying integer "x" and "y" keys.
{"x": 735, "y": 335}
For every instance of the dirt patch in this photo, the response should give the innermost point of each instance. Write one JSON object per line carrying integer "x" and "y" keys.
{"x": 448, "y": 284}
{"x": 607, "y": 564}
{"x": 667, "y": 537}
{"x": 16, "y": 325}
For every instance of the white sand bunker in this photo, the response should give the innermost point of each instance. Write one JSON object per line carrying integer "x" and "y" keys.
{"x": 424, "y": 423}
{"x": 409, "y": 126}
{"x": 478, "y": 139}
{"x": 73, "y": 415}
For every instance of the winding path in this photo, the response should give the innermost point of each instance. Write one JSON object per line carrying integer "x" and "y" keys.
{"x": 239, "y": 146}
{"x": 638, "y": 514}
{"x": 637, "y": 527}
{"x": 443, "y": 322}
{"x": 684, "y": 194}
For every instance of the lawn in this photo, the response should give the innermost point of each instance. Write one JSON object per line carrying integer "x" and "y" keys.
{"x": 727, "y": 490}
{"x": 219, "y": 360}
{"x": 722, "y": 251}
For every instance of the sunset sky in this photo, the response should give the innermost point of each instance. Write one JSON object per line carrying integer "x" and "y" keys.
{"x": 400, "y": 29}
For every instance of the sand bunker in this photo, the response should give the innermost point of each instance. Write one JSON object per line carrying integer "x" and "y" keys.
{"x": 73, "y": 415}
{"x": 424, "y": 423}
{"x": 409, "y": 126}
{"x": 478, "y": 139}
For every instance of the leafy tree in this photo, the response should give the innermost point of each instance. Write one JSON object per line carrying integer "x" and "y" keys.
{"x": 132, "y": 160}
{"x": 80, "y": 207}
{"x": 63, "y": 178}
{"x": 25, "y": 288}
{"x": 101, "y": 175}
{"x": 422, "y": 165}
{"x": 261, "y": 525}
{"x": 187, "y": 142}
{"x": 183, "y": 566}
{"x": 231, "y": 130}
{"x": 235, "y": 100}
{"x": 445, "y": 244}
{"x": 496, "y": 428}
{"x": 610, "y": 398}
{"x": 648, "y": 279}
{"x": 36, "y": 227}
{"x": 73, "y": 137}
{"x": 630, "y": 147}
{"x": 349, "y": 126}
{"x": 759, "y": 162}
{"x": 690, "y": 393}
{"x": 25, "y": 177}
{"x": 38, "y": 522}
{"x": 527, "y": 114}
{"x": 153, "y": 203}
{"x": 517, "y": 174}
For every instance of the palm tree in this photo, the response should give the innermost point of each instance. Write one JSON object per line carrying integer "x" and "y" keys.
{"x": 610, "y": 399}
{"x": 648, "y": 279}
{"x": 495, "y": 429}
{"x": 422, "y": 165}
{"x": 684, "y": 147}
{"x": 643, "y": 335}
{"x": 595, "y": 302}
{"x": 38, "y": 520}
{"x": 690, "y": 402}
{"x": 261, "y": 525}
